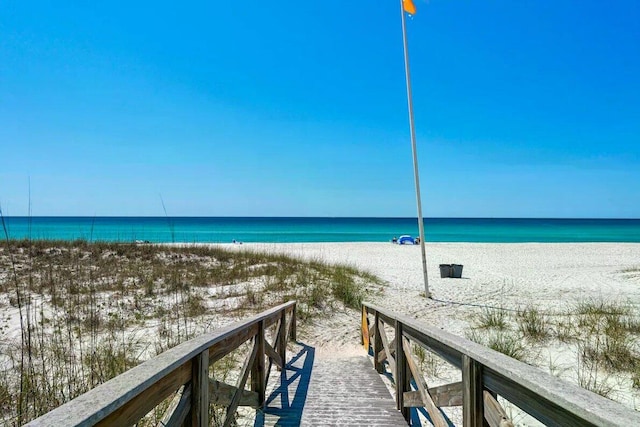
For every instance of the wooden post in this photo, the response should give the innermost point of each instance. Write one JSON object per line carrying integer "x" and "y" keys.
{"x": 365, "y": 335}
{"x": 403, "y": 378}
{"x": 377, "y": 345}
{"x": 258, "y": 368}
{"x": 293, "y": 323}
{"x": 472, "y": 399}
{"x": 282, "y": 340}
{"x": 200, "y": 390}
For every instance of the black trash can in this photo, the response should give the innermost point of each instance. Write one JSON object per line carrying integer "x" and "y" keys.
{"x": 456, "y": 271}
{"x": 445, "y": 270}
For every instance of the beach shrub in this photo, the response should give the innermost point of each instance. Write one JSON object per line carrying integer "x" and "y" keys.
{"x": 492, "y": 318}
{"x": 507, "y": 344}
{"x": 346, "y": 289}
{"x": 532, "y": 324}
{"x": 590, "y": 374}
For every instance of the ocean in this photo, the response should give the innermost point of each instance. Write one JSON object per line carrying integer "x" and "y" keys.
{"x": 281, "y": 230}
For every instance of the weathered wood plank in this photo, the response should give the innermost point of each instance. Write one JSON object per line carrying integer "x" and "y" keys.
{"x": 258, "y": 379}
{"x": 290, "y": 325}
{"x": 293, "y": 334}
{"x": 178, "y": 408}
{"x": 447, "y": 395}
{"x": 444, "y": 395}
{"x": 282, "y": 340}
{"x": 385, "y": 345}
{"x": 436, "y": 416}
{"x": 242, "y": 380}
{"x": 389, "y": 320}
{"x": 227, "y": 345}
{"x": 275, "y": 334}
{"x": 221, "y": 394}
{"x": 552, "y": 412}
{"x": 271, "y": 319}
{"x": 200, "y": 390}
{"x": 276, "y": 343}
{"x": 273, "y": 355}
{"x": 402, "y": 377}
{"x": 383, "y": 354}
{"x": 140, "y": 405}
{"x": 377, "y": 346}
{"x": 472, "y": 406}
{"x": 494, "y": 413}
{"x": 412, "y": 399}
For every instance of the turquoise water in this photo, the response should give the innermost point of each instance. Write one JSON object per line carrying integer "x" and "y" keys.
{"x": 224, "y": 229}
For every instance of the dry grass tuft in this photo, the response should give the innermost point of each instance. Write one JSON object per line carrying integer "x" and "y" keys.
{"x": 602, "y": 334}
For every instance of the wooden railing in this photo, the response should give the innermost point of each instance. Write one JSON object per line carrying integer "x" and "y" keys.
{"x": 486, "y": 374}
{"x": 184, "y": 372}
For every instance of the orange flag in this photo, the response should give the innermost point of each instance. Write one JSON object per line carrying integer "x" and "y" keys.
{"x": 409, "y": 7}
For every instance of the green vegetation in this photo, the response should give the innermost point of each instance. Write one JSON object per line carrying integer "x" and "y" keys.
{"x": 89, "y": 311}
{"x": 532, "y": 324}
{"x": 491, "y": 318}
{"x": 430, "y": 364}
{"x": 602, "y": 334}
{"x": 503, "y": 341}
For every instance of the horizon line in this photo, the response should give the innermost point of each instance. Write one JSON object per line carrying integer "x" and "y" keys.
{"x": 315, "y": 217}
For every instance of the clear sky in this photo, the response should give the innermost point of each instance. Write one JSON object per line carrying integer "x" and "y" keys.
{"x": 290, "y": 108}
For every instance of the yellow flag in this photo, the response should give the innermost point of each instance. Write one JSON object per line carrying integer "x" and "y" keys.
{"x": 409, "y": 7}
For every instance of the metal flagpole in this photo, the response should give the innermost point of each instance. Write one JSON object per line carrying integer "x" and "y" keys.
{"x": 414, "y": 150}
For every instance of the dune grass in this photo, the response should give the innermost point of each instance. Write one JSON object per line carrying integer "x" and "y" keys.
{"x": 501, "y": 340}
{"x": 602, "y": 334}
{"x": 86, "y": 312}
{"x": 492, "y": 318}
{"x": 533, "y": 324}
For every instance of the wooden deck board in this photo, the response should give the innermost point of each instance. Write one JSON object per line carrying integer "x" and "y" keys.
{"x": 348, "y": 391}
{"x": 329, "y": 391}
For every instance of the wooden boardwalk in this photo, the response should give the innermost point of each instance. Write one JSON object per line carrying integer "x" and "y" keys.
{"x": 340, "y": 388}
{"x": 329, "y": 391}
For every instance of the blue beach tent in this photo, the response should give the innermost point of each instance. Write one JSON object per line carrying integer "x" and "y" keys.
{"x": 406, "y": 239}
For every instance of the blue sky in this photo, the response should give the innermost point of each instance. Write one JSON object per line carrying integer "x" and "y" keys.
{"x": 523, "y": 109}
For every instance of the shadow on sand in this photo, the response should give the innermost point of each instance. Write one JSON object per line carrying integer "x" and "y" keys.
{"x": 285, "y": 404}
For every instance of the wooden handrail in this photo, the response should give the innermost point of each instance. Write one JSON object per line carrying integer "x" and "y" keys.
{"x": 543, "y": 396}
{"x": 126, "y": 398}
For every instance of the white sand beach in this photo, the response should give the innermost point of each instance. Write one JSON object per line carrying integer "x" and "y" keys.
{"x": 552, "y": 277}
